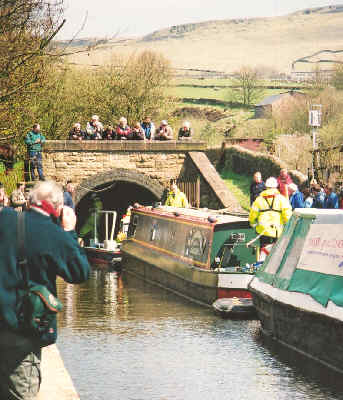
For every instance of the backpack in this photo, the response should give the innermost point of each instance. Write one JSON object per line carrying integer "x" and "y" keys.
{"x": 38, "y": 306}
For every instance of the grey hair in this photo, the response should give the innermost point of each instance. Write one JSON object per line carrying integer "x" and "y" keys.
{"x": 49, "y": 191}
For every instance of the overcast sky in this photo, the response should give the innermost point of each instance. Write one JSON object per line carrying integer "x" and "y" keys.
{"x": 138, "y": 17}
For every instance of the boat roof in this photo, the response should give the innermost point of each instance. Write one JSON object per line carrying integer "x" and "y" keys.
{"x": 191, "y": 214}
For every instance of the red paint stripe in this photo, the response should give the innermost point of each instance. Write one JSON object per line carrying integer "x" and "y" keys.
{"x": 229, "y": 293}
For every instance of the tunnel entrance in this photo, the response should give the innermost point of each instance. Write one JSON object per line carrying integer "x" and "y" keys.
{"x": 116, "y": 196}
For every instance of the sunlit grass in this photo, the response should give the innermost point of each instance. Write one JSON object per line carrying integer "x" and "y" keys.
{"x": 239, "y": 185}
{"x": 10, "y": 179}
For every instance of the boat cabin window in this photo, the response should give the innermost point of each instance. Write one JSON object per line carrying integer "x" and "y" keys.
{"x": 295, "y": 248}
{"x": 133, "y": 226}
{"x": 279, "y": 249}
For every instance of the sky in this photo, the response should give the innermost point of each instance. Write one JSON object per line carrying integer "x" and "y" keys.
{"x": 108, "y": 18}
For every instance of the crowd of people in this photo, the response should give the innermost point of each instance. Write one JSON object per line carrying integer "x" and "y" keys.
{"x": 313, "y": 196}
{"x": 140, "y": 130}
{"x": 272, "y": 203}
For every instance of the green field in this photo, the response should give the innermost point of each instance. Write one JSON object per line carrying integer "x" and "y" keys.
{"x": 239, "y": 185}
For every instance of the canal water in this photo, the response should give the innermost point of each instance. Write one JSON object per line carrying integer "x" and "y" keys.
{"x": 123, "y": 339}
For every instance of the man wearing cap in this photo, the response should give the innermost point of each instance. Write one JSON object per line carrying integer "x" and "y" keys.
{"x": 164, "y": 132}
{"x": 34, "y": 140}
{"x": 94, "y": 128}
{"x": 269, "y": 213}
{"x": 185, "y": 132}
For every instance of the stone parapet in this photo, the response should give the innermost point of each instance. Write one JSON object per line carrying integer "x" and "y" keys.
{"x": 123, "y": 145}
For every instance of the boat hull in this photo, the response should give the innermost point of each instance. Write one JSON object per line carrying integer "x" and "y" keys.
{"x": 197, "y": 284}
{"x": 314, "y": 335}
{"x": 104, "y": 258}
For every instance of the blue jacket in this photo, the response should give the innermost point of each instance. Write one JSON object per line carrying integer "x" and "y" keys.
{"x": 148, "y": 128}
{"x": 255, "y": 190}
{"x": 68, "y": 200}
{"x": 50, "y": 252}
{"x": 319, "y": 200}
{"x": 297, "y": 200}
{"x": 331, "y": 201}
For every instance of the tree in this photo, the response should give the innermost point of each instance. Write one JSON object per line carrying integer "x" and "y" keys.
{"x": 136, "y": 86}
{"x": 337, "y": 77}
{"x": 247, "y": 79}
{"x": 27, "y": 28}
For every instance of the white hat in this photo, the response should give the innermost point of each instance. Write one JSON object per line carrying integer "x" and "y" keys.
{"x": 95, "y": 118}
{"x": 293, "y": 187}
{"x": 271, "y": 183}
{"x": 164, "y": 122}
{"x": 186, "y": 124}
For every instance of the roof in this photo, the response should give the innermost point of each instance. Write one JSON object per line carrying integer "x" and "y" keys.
{"x": 276, "y": 97}
{"x": 200, "y": 215}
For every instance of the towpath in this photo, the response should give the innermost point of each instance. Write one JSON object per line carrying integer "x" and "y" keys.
{"x": 56, "y": 382}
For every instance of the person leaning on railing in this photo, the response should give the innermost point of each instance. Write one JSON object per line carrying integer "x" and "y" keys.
{"x": 76, "y": 133}
{"x": 164, "y": 132}
{"x": 185, "y": 132}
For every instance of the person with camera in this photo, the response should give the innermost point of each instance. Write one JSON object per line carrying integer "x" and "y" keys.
{"x": 34, "y": 251}
{"x": 34, "y": 141}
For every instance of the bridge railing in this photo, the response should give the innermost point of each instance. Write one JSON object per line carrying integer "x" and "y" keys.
{"x": 123, "y": 145}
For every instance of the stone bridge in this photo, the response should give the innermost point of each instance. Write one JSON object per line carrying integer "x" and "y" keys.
{"x": 134, "y": 170}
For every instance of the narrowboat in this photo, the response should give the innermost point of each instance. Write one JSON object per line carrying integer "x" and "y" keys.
{"x": 105, "y": 254}
{"x": 298, "y": 292}
{"x": 199, "y": 254}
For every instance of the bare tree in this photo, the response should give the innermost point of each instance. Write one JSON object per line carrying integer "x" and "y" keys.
{"x": 248, "y": 82}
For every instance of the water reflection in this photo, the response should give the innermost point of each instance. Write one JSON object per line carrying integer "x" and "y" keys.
{"x": 122, "y": 338}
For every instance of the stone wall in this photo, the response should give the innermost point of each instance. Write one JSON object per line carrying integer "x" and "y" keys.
{"x": 149, "y": 164}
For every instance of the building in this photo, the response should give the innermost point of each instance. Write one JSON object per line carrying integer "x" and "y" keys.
{"x": 268, "y": 105}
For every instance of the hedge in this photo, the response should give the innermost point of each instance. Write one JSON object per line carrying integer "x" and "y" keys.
{"x": 246, "y": 162}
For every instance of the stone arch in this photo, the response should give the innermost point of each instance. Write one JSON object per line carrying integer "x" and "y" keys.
{"x": 118, "y": 174}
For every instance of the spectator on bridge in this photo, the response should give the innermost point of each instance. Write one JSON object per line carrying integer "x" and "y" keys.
{"x": 149, "y": 128}
{"x": 283, "y": 181}
{"x": 34, "y": 140}
{"x": 164, "y": 132}
{"x": 331, "y": 199}
{"x": 123, "y": 130}
{"x": 68, "y": 195}
{"x": 109, "y": 133}
{"x": 76, "y": 133}
{"x": 94, "y": 128}
{"x": 296, "y": 197}
{"x": 257, "y": 186}
{"x": 137, "y": 132}
{"x": 18, "y": 199}
{"x": 185, "y": 132}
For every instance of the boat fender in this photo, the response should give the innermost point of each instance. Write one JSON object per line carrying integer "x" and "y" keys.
{"x": 212, "y": 219}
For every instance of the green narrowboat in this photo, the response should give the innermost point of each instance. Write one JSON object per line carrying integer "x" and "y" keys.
{"x": 200, "y": 254}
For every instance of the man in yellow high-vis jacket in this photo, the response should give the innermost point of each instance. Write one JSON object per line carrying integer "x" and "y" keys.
{"x": 269, "y": 213}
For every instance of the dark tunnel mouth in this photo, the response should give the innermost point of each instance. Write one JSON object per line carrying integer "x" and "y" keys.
{"x": 117, "y": 195}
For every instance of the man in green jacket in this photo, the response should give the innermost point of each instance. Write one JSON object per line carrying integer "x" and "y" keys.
{"x": 51, "y": 250}
{"x": 34, "y": 140}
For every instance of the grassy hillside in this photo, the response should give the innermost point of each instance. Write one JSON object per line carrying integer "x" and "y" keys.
{"x": 226, "y": 45}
